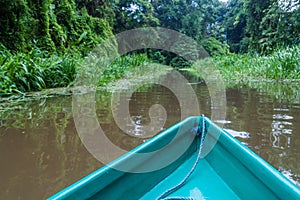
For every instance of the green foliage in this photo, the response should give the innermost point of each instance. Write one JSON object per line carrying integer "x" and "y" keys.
{"x": 118, "y": 67}
{"x": 45, "y": 40}
{"x": 255, "y": 13}
{"x": 235, "y": 25}
{"x": 14, "y": 19}
{"x": 36, "y": 70}
{"x": 42, "y": 42}
{"x": 214, "y": 47}
{"x": 262, "y": 26}
{"x": 103, "y": 9}
{"x": 52, "y": 25}
{"x": 272, "y": 24}
{"x": 283, "y": 64}
{"x": 279, "y": 27}
{"x": 179, "y": 62}
{"x": 197, "y": 19}
{"x": 134, "y": 14}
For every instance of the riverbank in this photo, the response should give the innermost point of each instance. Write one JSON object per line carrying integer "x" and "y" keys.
{"x": 38, "y": 70}
{"x": 282, "y": 65}
{"x": 125, "y": 72}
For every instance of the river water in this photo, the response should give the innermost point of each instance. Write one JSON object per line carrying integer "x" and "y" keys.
{"x": 41, "y": 152}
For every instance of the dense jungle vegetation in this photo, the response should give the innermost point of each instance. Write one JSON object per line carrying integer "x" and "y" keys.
{"x": 43, "y": 42}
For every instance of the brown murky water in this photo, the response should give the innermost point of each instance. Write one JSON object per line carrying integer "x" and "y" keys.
{"x": 41, "y": 152}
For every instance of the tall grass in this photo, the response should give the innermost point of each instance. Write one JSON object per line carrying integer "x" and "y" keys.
{"x": 121, "y": 65}
{"x": 36, "y": 70}
{"x": 283, "y": 64}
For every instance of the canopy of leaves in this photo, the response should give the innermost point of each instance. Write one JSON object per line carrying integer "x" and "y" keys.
{"x": 272, "y": 24}
{"x": 49, "y": 24}
{"x": 58, "y": 25}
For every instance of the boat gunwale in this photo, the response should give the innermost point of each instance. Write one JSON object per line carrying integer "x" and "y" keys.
{"x": 260, "y": 168}
{"x": 98, "y": 173}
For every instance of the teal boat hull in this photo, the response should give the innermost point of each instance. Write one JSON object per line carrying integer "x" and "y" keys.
{"x": 227, "y": 170}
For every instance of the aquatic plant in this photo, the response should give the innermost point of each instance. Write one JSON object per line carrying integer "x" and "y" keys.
{"x": 36, "y": 70}
{"x": 121, "y": 65}
{"x": 281, "y": 65}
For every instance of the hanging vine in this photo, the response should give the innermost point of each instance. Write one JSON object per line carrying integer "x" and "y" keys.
{"x": 53, "y": 25}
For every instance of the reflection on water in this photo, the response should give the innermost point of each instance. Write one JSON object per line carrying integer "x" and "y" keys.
{"x": 238, "y": 134}
{"x": 273, "y": 124}
{"x": 41, "y": 152}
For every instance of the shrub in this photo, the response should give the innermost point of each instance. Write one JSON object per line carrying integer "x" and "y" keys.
{"x": 214, "y": 47}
